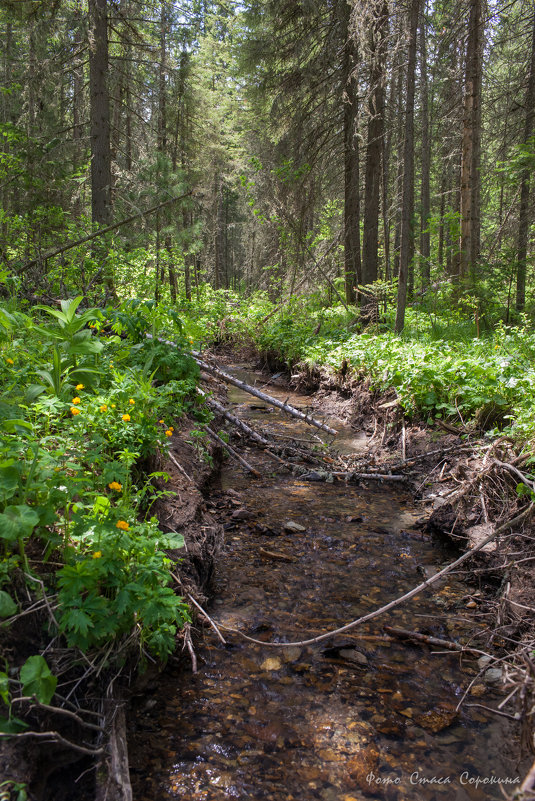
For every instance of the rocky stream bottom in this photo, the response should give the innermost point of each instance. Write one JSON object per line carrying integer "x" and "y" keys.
{"x": 359, "y": 716}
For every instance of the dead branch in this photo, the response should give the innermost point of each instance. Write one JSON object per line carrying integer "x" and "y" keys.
{"x": 405, "y": 634}
{"x": 368, "y": 476}
{"x": 179, "y": 467}
{"x": 234, "y": 454}
{"x": 57, "y": 710}
{"x": 55, "y": 737}
{"x": 205, "y": 615}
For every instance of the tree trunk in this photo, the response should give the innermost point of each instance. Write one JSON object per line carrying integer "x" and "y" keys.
{"x": 407, "y": 207}
{"x": 425, "y": 192}
{"x": 470, "y": 153}
{"x": 372, "y": 185}
{"x": 352, "y": 264}
{"x": 100, "y": 113}
{"x": 523, "y": 220}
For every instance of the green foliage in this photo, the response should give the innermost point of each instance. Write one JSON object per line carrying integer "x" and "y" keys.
{"x": 72, "y": 477}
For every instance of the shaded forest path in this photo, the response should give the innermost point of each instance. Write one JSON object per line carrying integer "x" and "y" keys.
{"x": 361, "y": 714}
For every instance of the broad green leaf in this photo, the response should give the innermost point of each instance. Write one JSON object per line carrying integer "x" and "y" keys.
{"x": 17, "y": 521}
{"x": 12, "y": 725}
{"x": 37, "y": 679}
{"x": 4, "y": 688}
{"x": 9, "y": 481}
{"x": 8, "y": 607}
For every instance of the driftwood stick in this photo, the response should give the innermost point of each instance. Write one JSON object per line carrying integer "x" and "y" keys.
{"x": 254, "y": 435}
{"x": 405, "y": 634}
{"x": 229, "y": 379}
{"x": 232, "y": 452}
{"x": 367, "y": 476}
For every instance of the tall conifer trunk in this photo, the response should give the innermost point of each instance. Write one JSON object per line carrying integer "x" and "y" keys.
{"x": 523, "y": 220}
{"x": 407, "y": 207}
{"x": 352, "y": 263}
{"x": 100, "y": 113}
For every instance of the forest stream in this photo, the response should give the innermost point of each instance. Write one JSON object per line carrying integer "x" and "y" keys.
{"x": 357, "y": 716}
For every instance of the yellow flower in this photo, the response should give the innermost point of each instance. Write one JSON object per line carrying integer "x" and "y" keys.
{"x": 123, "y": 525}
{"x": 168, "y": 433}
{"x": 113, "y": 406}
{"x": 171, "y": 428}
{"x": 131, "y": 401}
{"x": 161, "y": 421}
{"x": 74, "y": 411}
{"x": 103, "y": 408}
{"x": 97, "y": 554}
{"x": 79, "y": 387}
{"x": 75, "y": 401}
{"x": 126, "y": 417}
{"x": 10, "y": 361}
{"x": 115, "y": 485}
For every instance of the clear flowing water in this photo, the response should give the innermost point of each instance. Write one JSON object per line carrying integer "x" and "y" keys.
{"x": 356, "y": 717}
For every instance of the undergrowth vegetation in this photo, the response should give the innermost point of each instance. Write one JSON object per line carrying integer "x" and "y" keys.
{"x": 83, "y": 412}
{"x": 447, "y": 363}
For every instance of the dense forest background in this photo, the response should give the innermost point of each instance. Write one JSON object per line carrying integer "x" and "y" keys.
{"x": 359, "y": 146}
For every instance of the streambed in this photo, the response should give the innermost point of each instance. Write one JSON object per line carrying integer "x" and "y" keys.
{"x": 358, "y": 716}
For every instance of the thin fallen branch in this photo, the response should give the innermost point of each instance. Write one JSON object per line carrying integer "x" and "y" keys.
{"x": 179, "y": 467}
{"x": 366, "y": 476}
{"x": 189, "y": 646}
{"x": 55, "y": 737}
{"x": 205, "y": 614}
{"x": 449, "y": 645}
{"x": 57, "y": 710}
{"x": 49, "y": 254}
{"x": 232, "y": 452}
{"x": 397, "y": 601}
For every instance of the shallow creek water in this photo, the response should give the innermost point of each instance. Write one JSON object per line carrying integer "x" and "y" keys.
{"x": 356, "y": 717}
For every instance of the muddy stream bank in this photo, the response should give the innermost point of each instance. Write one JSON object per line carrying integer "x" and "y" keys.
{"x": 360, "y": 716}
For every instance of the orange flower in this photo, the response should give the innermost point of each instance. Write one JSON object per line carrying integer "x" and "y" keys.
{"x": 168, "y": 433}
{"x": 131, "y": 401}
{"x": 74, "y": 411}
{"x": 123, "y": 525}
{"x": 75, "y": 401}
{"x": 10, "y": 361}
{"x": 126, "y": 417}
{"x": 79, "y": 387}
{"x": 97, "y": 554}
{"x": 103, "y": 408}
{"x": 115, "y": 486}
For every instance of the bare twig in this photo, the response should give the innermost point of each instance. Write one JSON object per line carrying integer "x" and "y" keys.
{"x": 59, "y": 710}
{"x": 179, "y": 467}
{"x": 205, "y": 614}
{"x": 232, "y": 452}
{"x": 55, "y": 737}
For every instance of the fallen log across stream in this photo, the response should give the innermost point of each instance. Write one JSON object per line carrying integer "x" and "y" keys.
{"x": 229, "y": 379}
